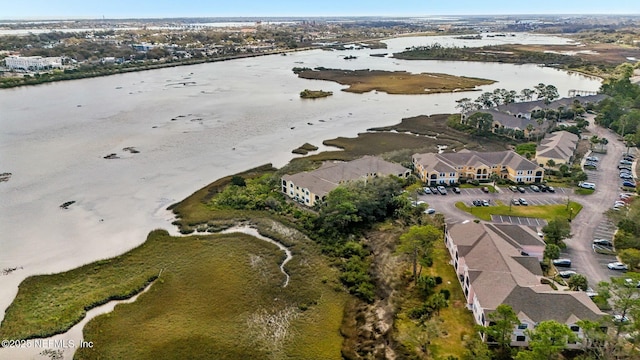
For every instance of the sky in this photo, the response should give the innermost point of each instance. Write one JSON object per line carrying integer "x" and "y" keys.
{"x": 59, "y": 9}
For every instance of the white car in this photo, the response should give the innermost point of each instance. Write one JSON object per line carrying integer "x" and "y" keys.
{"x": 567, "y": 274}
{"x": 430, "y": 211}
{"x": 617, "y": 265}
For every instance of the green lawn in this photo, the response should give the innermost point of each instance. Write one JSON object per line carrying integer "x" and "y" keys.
{"x": 207, "y": 302}
{"x": 581, "y": 191}
{"x": 547, "y": 212}
{"x": 471, "y": 186}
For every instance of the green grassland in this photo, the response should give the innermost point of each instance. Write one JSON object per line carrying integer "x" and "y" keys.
{"x": 207, "y": 302}
{"x": 547, "y": 212}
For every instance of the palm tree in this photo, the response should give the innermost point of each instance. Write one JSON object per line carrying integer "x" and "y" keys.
{"x": 529, "y": 130}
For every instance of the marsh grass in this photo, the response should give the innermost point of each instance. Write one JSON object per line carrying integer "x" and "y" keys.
{"x": 547, "y": 212}
{"x": 395, "y": 82}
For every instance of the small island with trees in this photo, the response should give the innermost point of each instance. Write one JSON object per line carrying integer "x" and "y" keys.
{"x": 314, "y": 94}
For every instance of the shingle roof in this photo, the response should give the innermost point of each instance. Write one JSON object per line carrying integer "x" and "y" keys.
{"x": 500, "y": 275}
{"x": 558, "y": 145}
{"x": 512, "y": 121}
{"x": 326, "y": 178}
{"x": 566, "y": 307}
{"x": 449, "y": 161}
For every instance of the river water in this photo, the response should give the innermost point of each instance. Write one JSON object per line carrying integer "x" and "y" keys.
{"x": 191, "y": 125}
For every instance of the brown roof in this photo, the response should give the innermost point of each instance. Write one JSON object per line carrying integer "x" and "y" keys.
{"x": 499, "y": 274}
{"x": 473, "y": 158}
{"x": 326, "y": 178}
{"x": 558, "y": 145}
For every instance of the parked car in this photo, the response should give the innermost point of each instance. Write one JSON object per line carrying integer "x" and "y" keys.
{"x": 587, "y": 185}
{"x": 485, "y": 189}
{"x": 456, "y": 190}
{"x": 626, "y": 176}
{"x": 628, "y": 183}
{"x": 427, "y": 190}
{"x": 567, "y": 274}
{"x": 521, "y": 189}
{"x": 603, "y": 242}
{"x": 620, "y": 319}
{"x": 562, "y": 262}
{"x": 515, "y": 202}
{"x": 513, "y": 188}
{"x": 477, "y": 202}
{"x": 551, "y": 189}
{"x": 485, "y": 203}
{"x": 625, "y": 167}
{"x": 523, "y": 202}
{"x": 625, "y": 162}
{"x": 430, "y": 211}
{"x": 534, "y": 188}
{"x": 592, "y": 158}
{"x": 442, "y": 190}
{"x": 434, "y": 190}
{"x": 630, "y": 282}
{"x": 616, "y": 265}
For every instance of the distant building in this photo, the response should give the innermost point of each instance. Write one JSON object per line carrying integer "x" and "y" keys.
{"x": 558, "y": 146}
{"x": 500, "y": 264}
{"x": 448, "y": 168}
{"x": 311, "y": 187}
{"x": 144, "y": 47}
{"x": 29, "y": 63}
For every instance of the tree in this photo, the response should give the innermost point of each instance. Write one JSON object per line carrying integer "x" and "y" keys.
{"x": 529, "y": 130}
{"x": 551, "y": 251}
{"x": 631, "y": 257}
{"x": 556, "y": 231}
{"x": 624, "y": 296}
{"x": 578, "y": 282}
{"x": 501, "y": 325}
{"x": 550, "y": 163}
{"x": 485, "y": 100}
{"x": 481, "y": 122}
{"x": 526, "y": 94}
{"x": 564, "y": 169}
{"x": 547, "y": 341}
{"x": 417, "y": 243}
{"x": 465, "y": 105}
{"x": 476, "y": 349}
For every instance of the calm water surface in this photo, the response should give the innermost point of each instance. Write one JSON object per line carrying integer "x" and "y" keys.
{"x": 191, "y": 125}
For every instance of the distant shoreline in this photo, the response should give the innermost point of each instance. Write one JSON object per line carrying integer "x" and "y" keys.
{"x": 49, "y": 78}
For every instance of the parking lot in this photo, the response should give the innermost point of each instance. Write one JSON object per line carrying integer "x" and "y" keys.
{"x": 538, "y": 223}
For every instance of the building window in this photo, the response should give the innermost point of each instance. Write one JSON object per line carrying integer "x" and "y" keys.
{"x": 529, "y": 172}
{"x": 452, "y": 174}
{"x": 520, "y": 338}
{"x": 291, "y": 185}
{"x": 284, "y": 182}
{"x": 443, "y": 174}
{"x": 522, "y": 326}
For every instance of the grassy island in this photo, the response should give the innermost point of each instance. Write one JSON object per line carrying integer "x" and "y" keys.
{"x": 314, "y": 94}
{"x": 393, "y": 82}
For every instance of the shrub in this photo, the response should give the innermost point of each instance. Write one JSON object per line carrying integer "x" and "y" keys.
{"x": 446, "y": 293}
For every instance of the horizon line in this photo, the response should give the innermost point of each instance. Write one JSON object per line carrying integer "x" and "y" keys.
{"x": 62, "y": 18}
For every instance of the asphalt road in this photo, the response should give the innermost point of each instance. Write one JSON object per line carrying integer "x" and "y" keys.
{"x": 589, "y": 224}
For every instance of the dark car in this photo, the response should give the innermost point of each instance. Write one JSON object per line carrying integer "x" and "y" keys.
{"x": 456, "y": 190}
{"x": 603, "y": 242}
{"x": 562, "y": 262}
{"x": 630, "y": 184}
{"x": 551, "y": 189}
{"x": 477, "y": 202}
